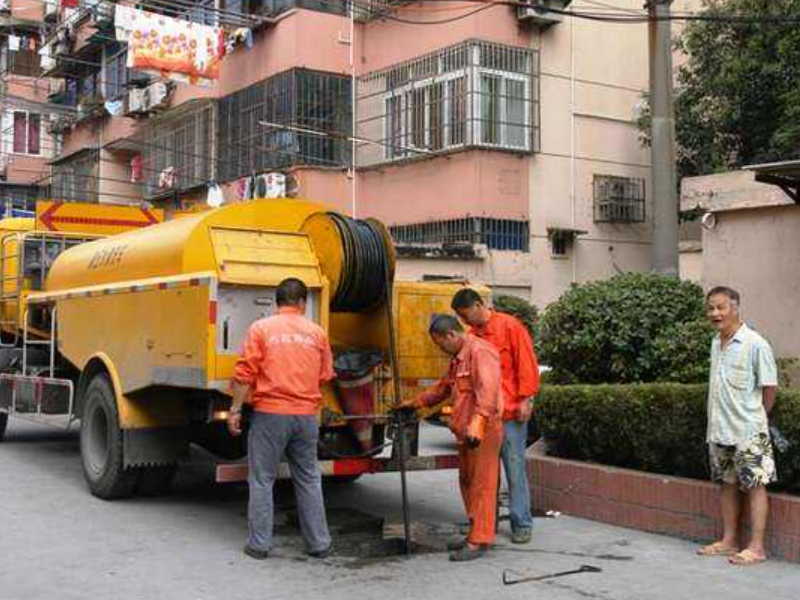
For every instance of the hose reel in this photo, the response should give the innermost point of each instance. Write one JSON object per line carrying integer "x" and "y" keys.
{"x": 366, "y": 257}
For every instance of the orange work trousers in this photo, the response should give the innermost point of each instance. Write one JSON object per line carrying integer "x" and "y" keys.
{"x": 478, "y": 472}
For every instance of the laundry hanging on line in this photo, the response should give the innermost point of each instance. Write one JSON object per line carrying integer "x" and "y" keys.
{"x": 173, "y": 48}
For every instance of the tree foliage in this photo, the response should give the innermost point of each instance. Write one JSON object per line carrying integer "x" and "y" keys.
{"x": 737, "y": 99}
{"x": 634, "y": 327}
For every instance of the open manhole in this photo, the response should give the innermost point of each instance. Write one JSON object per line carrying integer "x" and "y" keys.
{"x": 368, "y": 539}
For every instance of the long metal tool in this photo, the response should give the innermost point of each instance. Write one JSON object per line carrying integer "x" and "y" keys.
{"x": 581, "y": 569}
{"x": 399, "y": 415}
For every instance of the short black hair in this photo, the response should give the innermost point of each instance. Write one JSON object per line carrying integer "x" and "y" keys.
{"x": 291, "y": 292}
{"x": 731, "y": 293}
{"x": 442, "y": 324}
{"x": 465, "y": 298}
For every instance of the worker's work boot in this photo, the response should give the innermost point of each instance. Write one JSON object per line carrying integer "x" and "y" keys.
{"x": 255, "y": 553}
{"x": 324, "y": 553}
{"x": 456, "y": 544}
{"x": 466, "y": 553}
{"x": 521, "y": 536}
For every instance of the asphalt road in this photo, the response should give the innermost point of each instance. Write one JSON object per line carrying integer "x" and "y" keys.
{"x": 59, "y": 542}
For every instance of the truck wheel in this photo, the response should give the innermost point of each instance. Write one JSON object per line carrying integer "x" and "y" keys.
{"x": 101, "y": 443}
{"x": 155, "y": 481}
{"x": 3, "y": 425}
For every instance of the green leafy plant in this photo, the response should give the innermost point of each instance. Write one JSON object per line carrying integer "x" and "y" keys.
{"x": 659, "y": 428}
{"x": 736, "y": 100}
{"x": 634, "y": 327}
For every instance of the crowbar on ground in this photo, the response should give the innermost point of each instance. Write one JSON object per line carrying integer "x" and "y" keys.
{"x": 581, "y": 569}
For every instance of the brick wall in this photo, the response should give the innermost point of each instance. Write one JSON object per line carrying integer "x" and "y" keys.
{"x": 674, "y": 506}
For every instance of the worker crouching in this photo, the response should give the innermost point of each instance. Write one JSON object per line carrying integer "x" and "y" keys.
{"x": 472, "y": 385}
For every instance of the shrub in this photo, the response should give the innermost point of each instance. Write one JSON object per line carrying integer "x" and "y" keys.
{"x": 625, "y": 329}
{"x": 522, "y": 309}
{"x": 659, "y": 428}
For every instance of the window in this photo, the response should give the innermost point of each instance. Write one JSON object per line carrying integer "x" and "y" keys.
{"x": 299, "y": 98}
{"x": 21, "y": 56}
{"x": 560, "y": 243}
{"x": 75, "y": 179}
{"x": 476, "y": 94}
{"x": 619, "y": 199}
{"x": 116, "y": 75}
{"x": 497, "y": 234}
{"x": 177, "y": 153}
{"x": 27, "y": 132}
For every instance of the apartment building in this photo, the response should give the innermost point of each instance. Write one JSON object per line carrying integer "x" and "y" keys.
{"x": 499, "y": 146}
{"x": 26, "y": 145}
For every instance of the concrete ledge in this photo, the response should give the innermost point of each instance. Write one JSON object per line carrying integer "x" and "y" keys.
{"x": 676, "y": 506}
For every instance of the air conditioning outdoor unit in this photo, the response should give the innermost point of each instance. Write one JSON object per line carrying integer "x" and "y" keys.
{"x": 157, "y": 95}
{"x": 51, "y": 10}
{"x": 538, "y": 12}
{"x": 137, "y": 101}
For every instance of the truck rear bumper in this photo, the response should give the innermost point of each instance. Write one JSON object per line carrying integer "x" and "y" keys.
{"x": 230, "y": 472}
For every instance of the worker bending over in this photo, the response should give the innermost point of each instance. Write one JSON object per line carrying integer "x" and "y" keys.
{"x": 472, "y": 384}
{"x": 285, "y": 358}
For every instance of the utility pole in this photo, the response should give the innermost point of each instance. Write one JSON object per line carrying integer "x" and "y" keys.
{"x": 662, "y": 148}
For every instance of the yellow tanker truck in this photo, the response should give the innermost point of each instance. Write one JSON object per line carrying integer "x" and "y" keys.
{"x": 141, "y": 332}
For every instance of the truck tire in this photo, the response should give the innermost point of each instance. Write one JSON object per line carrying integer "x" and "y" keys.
{"x": 3, "y": 425}
{"x": 101, "y": 443}
{"x": 155, "y": 481}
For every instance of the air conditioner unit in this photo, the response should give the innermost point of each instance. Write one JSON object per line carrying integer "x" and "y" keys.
{"x": 137, "y": 101}
{"x": 157, "y": 95}
{"x": 51, "y": 10}
{"x": 270, "y": 185}
{"x": 538, "y": 12}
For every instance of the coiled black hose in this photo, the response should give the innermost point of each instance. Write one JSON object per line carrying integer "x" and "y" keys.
{"x": 365, "y": 257}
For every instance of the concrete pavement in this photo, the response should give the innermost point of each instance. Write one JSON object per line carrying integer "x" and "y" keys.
{"x": 57, "y": 541}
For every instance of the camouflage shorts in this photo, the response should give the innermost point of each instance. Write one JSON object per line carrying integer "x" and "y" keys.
{"x": 750, "y": 465}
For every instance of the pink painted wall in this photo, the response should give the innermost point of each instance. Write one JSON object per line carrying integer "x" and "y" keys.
{"x": 467, "y": 183}
{"x": 26, "y": 169}
{"x": 29, "y": 88}
{"x": 380, "y": 44}
{"x": 27, "y": 10}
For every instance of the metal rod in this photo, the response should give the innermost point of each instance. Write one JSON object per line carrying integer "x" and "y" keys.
{"x": 400, "y": 416}
{"x": 581, "y": 569}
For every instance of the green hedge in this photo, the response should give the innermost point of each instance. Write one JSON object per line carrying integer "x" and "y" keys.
{"x": 658, "y": 428}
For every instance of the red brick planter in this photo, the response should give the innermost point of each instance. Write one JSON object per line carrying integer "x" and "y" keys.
{"x": 675, "y": 506}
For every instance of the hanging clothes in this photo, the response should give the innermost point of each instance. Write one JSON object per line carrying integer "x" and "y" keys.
{"x": 166, "y": 178}
{"x": 137, "y": 168}
{"x": 214, "y": 198}
{"x": 173, "y": 48}
{"x": 13, "y": 43}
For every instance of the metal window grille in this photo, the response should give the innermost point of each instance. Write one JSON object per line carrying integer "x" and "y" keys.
{"x": 299, "y": 98}
{"x": 497, "y": 234}
{"x": 180, "y": 144}
{"x": 619, "y": 199}
{"x": 474, "y": 94}
{"x": 75, "y": 180}
{"x": 116, "y": 75}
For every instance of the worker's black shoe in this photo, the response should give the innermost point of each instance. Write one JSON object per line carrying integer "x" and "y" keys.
{"x": 324, "y": 553}
{"x": 467, "y": 553}
{"x": 456, "y": 544}
{"x": 254, "y": 553}
{"x": 521, "y": 535}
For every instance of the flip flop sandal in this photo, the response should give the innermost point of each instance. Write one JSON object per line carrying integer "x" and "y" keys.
{"x": 716, "y": 549}
{"x": 746, "y": 558}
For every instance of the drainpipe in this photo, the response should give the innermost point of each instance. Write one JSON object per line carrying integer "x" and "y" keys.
{"x": 572, "y": 165}
{"x": 353, "y": 135}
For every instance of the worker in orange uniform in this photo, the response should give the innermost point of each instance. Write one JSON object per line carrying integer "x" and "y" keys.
{"x": 520, "y": 384}
{"x": 285, "y": 359}
{"x": 472, "y": 384}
